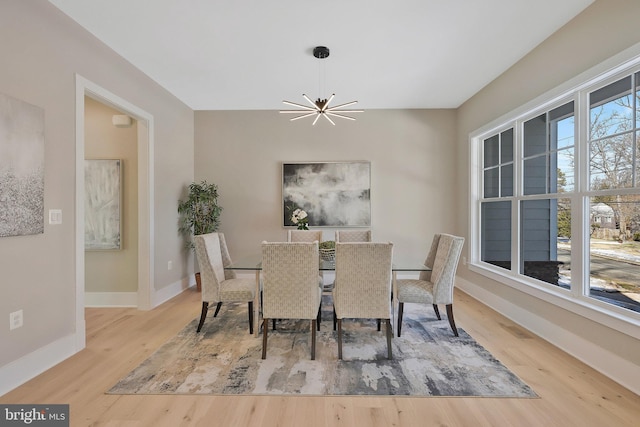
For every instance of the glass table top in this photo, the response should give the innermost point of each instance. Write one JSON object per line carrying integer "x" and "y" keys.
{"x": 254, "y": 262}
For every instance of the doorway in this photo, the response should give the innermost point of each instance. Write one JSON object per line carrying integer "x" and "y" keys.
{"x": 145, "y": 292}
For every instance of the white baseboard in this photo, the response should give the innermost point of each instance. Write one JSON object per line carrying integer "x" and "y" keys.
{"x": 602, "y": 360}
{"x": 33, "y": 364}
{"x": 163, "y": 295}
{"x": 110, "y": 299}
{"x": 18, "y": 372}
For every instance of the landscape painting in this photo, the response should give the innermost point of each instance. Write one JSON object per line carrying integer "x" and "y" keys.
{"x": 333, "y": 194}
{"x": 21, "y": 168}
{"x": 102, "y": 204}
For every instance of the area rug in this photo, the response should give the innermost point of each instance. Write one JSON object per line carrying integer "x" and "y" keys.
{"x": 224, "y": 359}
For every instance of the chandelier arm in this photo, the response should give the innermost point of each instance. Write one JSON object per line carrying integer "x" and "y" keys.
{"x": 311, "y": 102}
{"x": 328, "y": 113}
{"x": 316, "y": 119}
{"x": 333, "y": 110}
{"x": 326, "y": 105}
{"x": 344, "y": 105}
{"x": 303, "y": 116}
{"x": 293, "y": 104}
{"x": 328, "y": 118}
{"x": 299, "y": 112}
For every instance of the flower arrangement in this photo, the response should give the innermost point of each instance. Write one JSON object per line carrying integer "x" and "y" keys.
{"x": 300, "y": 218}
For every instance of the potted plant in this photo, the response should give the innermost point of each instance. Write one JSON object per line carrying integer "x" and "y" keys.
{"x": 199, "y": 214}
{"x": 327, "y": 250}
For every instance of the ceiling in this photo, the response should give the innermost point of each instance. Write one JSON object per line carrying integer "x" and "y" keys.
{"x": 252, "y": 55}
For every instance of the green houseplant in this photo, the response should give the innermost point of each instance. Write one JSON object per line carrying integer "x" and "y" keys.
{"x": 327, "y": 250}
{"x": 199, "y": 213}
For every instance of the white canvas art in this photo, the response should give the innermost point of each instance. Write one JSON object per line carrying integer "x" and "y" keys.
{"x": 335, "y": 194}
{"x": 21, "y": 168}
{"x": 102, "y": 204}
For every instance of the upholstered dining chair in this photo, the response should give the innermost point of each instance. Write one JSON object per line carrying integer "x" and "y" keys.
{"x": 220, "y": 285}
{"x": 363, "y": 285}
{"x": 307, "y": 236}
{"x": 350, "y": 236}
{"x": 304, "y": 235}
{"x": 434, "y": 287}
{"x": 353, "y": 236}
{"x": 290, "y": 288}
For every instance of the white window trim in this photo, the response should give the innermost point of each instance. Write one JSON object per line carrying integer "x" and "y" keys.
{"x": 573, "y": 300}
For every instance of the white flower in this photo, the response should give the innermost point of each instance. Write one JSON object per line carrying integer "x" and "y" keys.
{"x": 294, "y": 216}
{"x": 298, "y": 215}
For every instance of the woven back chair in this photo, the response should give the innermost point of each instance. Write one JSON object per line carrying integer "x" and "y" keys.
{"x": 290, "y": 288}
{"x": 363, "y": 285}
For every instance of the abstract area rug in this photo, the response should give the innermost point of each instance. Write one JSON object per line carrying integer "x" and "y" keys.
{"x": 224, "y": 359}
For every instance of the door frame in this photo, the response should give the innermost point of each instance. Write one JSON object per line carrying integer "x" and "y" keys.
{"x": 145, "y": 294}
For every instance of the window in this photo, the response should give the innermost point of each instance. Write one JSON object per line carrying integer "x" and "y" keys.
{"x": 498, "y": 165}
{"x": 543, "y": 177}
{"x": 614, "y": 202}
{"x": 498, "y": 183}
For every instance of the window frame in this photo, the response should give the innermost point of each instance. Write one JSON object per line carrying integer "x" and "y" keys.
{"x": 577, "y": 300}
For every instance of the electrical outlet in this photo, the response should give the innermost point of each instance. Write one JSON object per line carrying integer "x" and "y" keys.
{"x": 170, "y": 265}
{"x": 464, "y": 260}
{"x": 15, "y": 320}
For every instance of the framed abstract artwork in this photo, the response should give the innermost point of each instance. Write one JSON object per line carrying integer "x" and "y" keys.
{"x": 333, "y": 194}
{"x": 21, "y": 168}
{"x": 102, "y": 204}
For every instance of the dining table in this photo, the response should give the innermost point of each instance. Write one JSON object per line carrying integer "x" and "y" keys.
{"x": 253, "y": 263}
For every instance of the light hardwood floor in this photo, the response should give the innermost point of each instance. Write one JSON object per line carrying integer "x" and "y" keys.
{"x": 571, "y": 393}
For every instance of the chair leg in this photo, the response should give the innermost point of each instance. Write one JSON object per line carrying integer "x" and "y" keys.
{"x": 378, "y": 323}
{"x": 389, "y": 334}
{"x": 313, "y": 339}
{"x": 203, "y": 315}
{"x": 265, "y": 326}
{"x": 251, "y": 317}
{"x": 217, "y": 309}
{"x": 452, "y": 322}
{"x": 319, "y": 318}
{"x": 400, "y": 308}
{"x": 435, "y": 308}
{"x": 335, "y": 318}
{"x": 273, "y": 324}
{"x": 340, "y": 339}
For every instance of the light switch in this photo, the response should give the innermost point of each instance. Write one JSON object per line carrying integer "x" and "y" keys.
{"x": 55, "y": 216}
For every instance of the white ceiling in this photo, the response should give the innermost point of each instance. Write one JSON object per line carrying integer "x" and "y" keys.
{"x": 252, "y": 55}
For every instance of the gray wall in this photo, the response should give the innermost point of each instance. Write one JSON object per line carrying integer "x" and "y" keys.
{"x": 413, "y": 174}
{"x": 603, "y": 30}
{"x": 42, "y": 50}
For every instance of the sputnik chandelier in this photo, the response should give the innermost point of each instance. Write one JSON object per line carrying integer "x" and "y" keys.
{"x": 320, "y": 107}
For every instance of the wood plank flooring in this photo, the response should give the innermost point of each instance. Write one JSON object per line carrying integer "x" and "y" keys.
{"x": 571, "y": 393}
